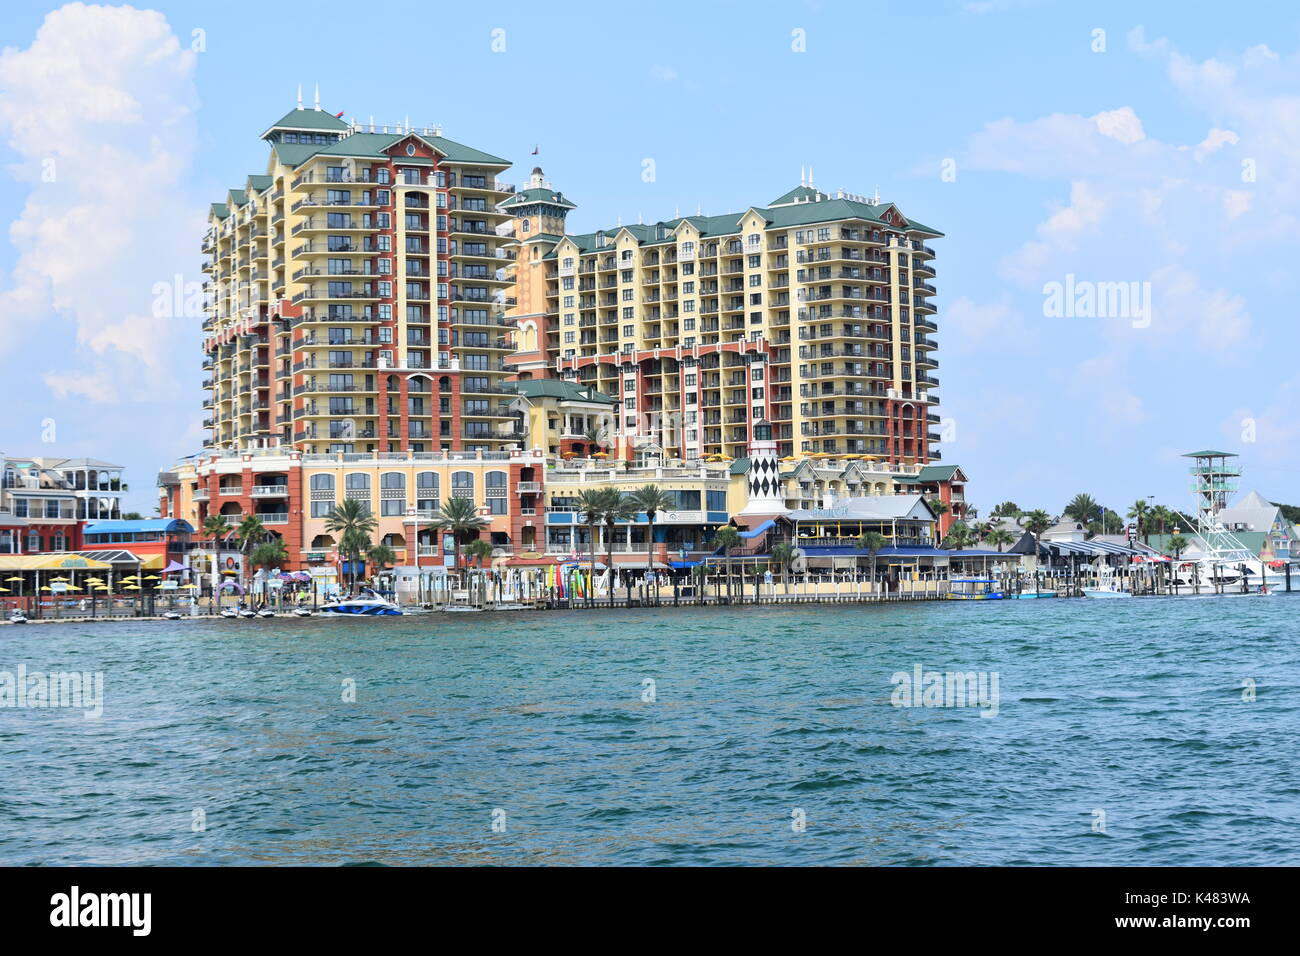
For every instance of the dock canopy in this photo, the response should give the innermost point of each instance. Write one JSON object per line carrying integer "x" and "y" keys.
{"x": 1091, "y": 548}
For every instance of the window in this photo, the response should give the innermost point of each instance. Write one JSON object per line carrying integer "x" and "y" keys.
{"x": 462, "y": 484}
{"x": 426, "y": 491}
{"x": 496, "y": 492}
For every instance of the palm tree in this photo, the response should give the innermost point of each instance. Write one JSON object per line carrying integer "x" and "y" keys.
{"x": 596, "y": 438}
{"x": 1141, "y": 513}
{"x": 216, "y": 526}
{"x": 591, "y": 504}
{"x": 727, "y": 537}
{"x": 651, "y": 499}
{"x": 1001, "y": 537}
{"x": 269, "y": 554}
{"x": 1082, "y": 508}
{"x": 250, "y": 533}
{"x": 959, "y": 536}
{"x": 615, "y": 507}
{"x": 478, "y": 550}
{"x": 354, "y": 524}
{"x": 783, "y": 554}
{"x": 1178, "y": 544}
{"x": 872, "y": 542}
{"x": 1036, "y": 522}
{"x": 459, "y": 517}
{"x": 381, "y": 556}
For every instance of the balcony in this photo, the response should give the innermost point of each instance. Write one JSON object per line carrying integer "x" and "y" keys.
{"x": 270, "y": 491}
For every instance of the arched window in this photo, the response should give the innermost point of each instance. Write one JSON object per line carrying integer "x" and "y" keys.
{"x": 322, "y": 483}
{"x": 496, "y": 492}
{"x": 392, "y": 494}
{"x": 462, "y": 484}
{"x": 322, "y": 495}
{"x": 426, "y": 491}
{"x": 357, "y": 487}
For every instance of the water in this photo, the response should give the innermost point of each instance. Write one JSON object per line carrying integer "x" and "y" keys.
{"x": 1133, "y": 708}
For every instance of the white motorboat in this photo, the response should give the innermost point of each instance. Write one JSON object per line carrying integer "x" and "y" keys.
{"x": 266, "y": 612}
{"x": 1109, "y": 591}
{"x": 229, "y": 612}
{"x": 301, "y": 611}
{"x": 247, "y": 612}
{"x": 369, "y": 604}
{"x": 172, "y": 615}
{"x": 17, "y": 617}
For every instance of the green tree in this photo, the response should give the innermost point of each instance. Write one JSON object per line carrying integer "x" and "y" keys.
{"x": 783, "y": 555}
{"x": 250, "y": 533}
{"x": 651, "y": 499}
{"x": 478, "y": 550}
{"x": 216, "y": 526}
{"x": 459, "y": 518}
{"x": 1001, "y": 537}
{"x": 1177, "y": 544}
{"x": 1007, "y": 509}
{"x": 1082, "y": 508}
{"x": 591, "y": 504}
{"x": 270, "y": 554}
{"x": 872, "y": 542}
{"x": 354, "y": 524}
{"x": 1141, "y": 514}
{"x": 615, "y": 507}
{"x": 597, "y": 438}
{"x": 1036, "y": 522}
{"x": 727, "y": 537}
{"x": 959, "y": 536}
{"x": 380, "y": 556}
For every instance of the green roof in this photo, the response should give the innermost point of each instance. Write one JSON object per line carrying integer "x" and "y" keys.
{"x": 237, "y": 197}
{"x": 548, "y": 236}
{"x": 936, "y": 473}
{"x": 561, "y": 389}
{"x": 799, "y": 194}
{"x": 777, "y": 216}
{"x": 260, "y": 183}
{"x": 373, "y": 145}
{"x": 537, "y": 195}
{"x": 309, "y": 119}
{"x": 1210, "y": 454}
{"x": 740, "y": 466}
{"x": 220, "y": 210}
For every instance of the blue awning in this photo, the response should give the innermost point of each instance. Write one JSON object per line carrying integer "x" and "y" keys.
{"x": 769, "y": 523}
{"x": 135, "y": 527}
{"x": 680, "y": 565}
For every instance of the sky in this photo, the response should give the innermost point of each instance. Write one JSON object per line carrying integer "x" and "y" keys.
{"x": 1145, "y": 152}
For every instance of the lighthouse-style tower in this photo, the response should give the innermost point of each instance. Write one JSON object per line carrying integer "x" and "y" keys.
{"x": 764, "y": 479}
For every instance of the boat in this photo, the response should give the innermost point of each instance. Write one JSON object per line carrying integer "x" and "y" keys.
{"x": 510, "y": 606}
{"x": 369, "y": 605}
{"x": 266, "y": 612}
{"x": 172, "y": 615}
{"x": 1028, "y": 595}
{"x": 247, "y": 612}
{"x": 229, "y": 612}
{"x": 17, "y": 617}
{"x": 301, "y": 611}
{"x": 974, "y": 589}
{"x": 1106, "y": 591}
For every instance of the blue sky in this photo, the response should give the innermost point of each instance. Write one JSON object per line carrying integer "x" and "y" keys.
{"x": 1166, "y": 151}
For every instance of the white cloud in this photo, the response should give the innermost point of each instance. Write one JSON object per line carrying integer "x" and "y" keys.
{"x": 100, "y": 111}
{"x": 664, "y": 74}
{"x": 1215, "y": 140}
{"x": 1121, "y": 124}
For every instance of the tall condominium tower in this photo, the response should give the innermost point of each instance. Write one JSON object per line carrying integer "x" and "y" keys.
{"x": 357, "y": 293}
{"x": 811, "y": 312}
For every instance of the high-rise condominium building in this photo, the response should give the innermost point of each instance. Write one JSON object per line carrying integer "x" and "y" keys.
{"x": 357, "y": 291}
{"x": 812, "y": 312}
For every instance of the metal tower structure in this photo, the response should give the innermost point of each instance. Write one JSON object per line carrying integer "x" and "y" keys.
{"x": 1214, "y": 478}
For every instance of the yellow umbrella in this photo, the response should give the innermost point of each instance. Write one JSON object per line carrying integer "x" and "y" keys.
{"x": 131, "y": 587}
{"x": 46, "y": 587}
{"x": 14, "y": 578}
{"x": 59, "y": 580}
{"x": 151, "y": 577}
{"x": 4, "y": 590}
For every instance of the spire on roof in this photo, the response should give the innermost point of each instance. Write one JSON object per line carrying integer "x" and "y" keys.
{"x": 299, "y": 96}
{"x": 803, "y": 176}
{"x": 318, "y": 97}
{"x": 810, "y": 179}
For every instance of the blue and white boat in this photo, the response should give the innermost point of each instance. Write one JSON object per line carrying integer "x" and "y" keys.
{"x": 369, "y": 604}
{"x": 974, "y": 589}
